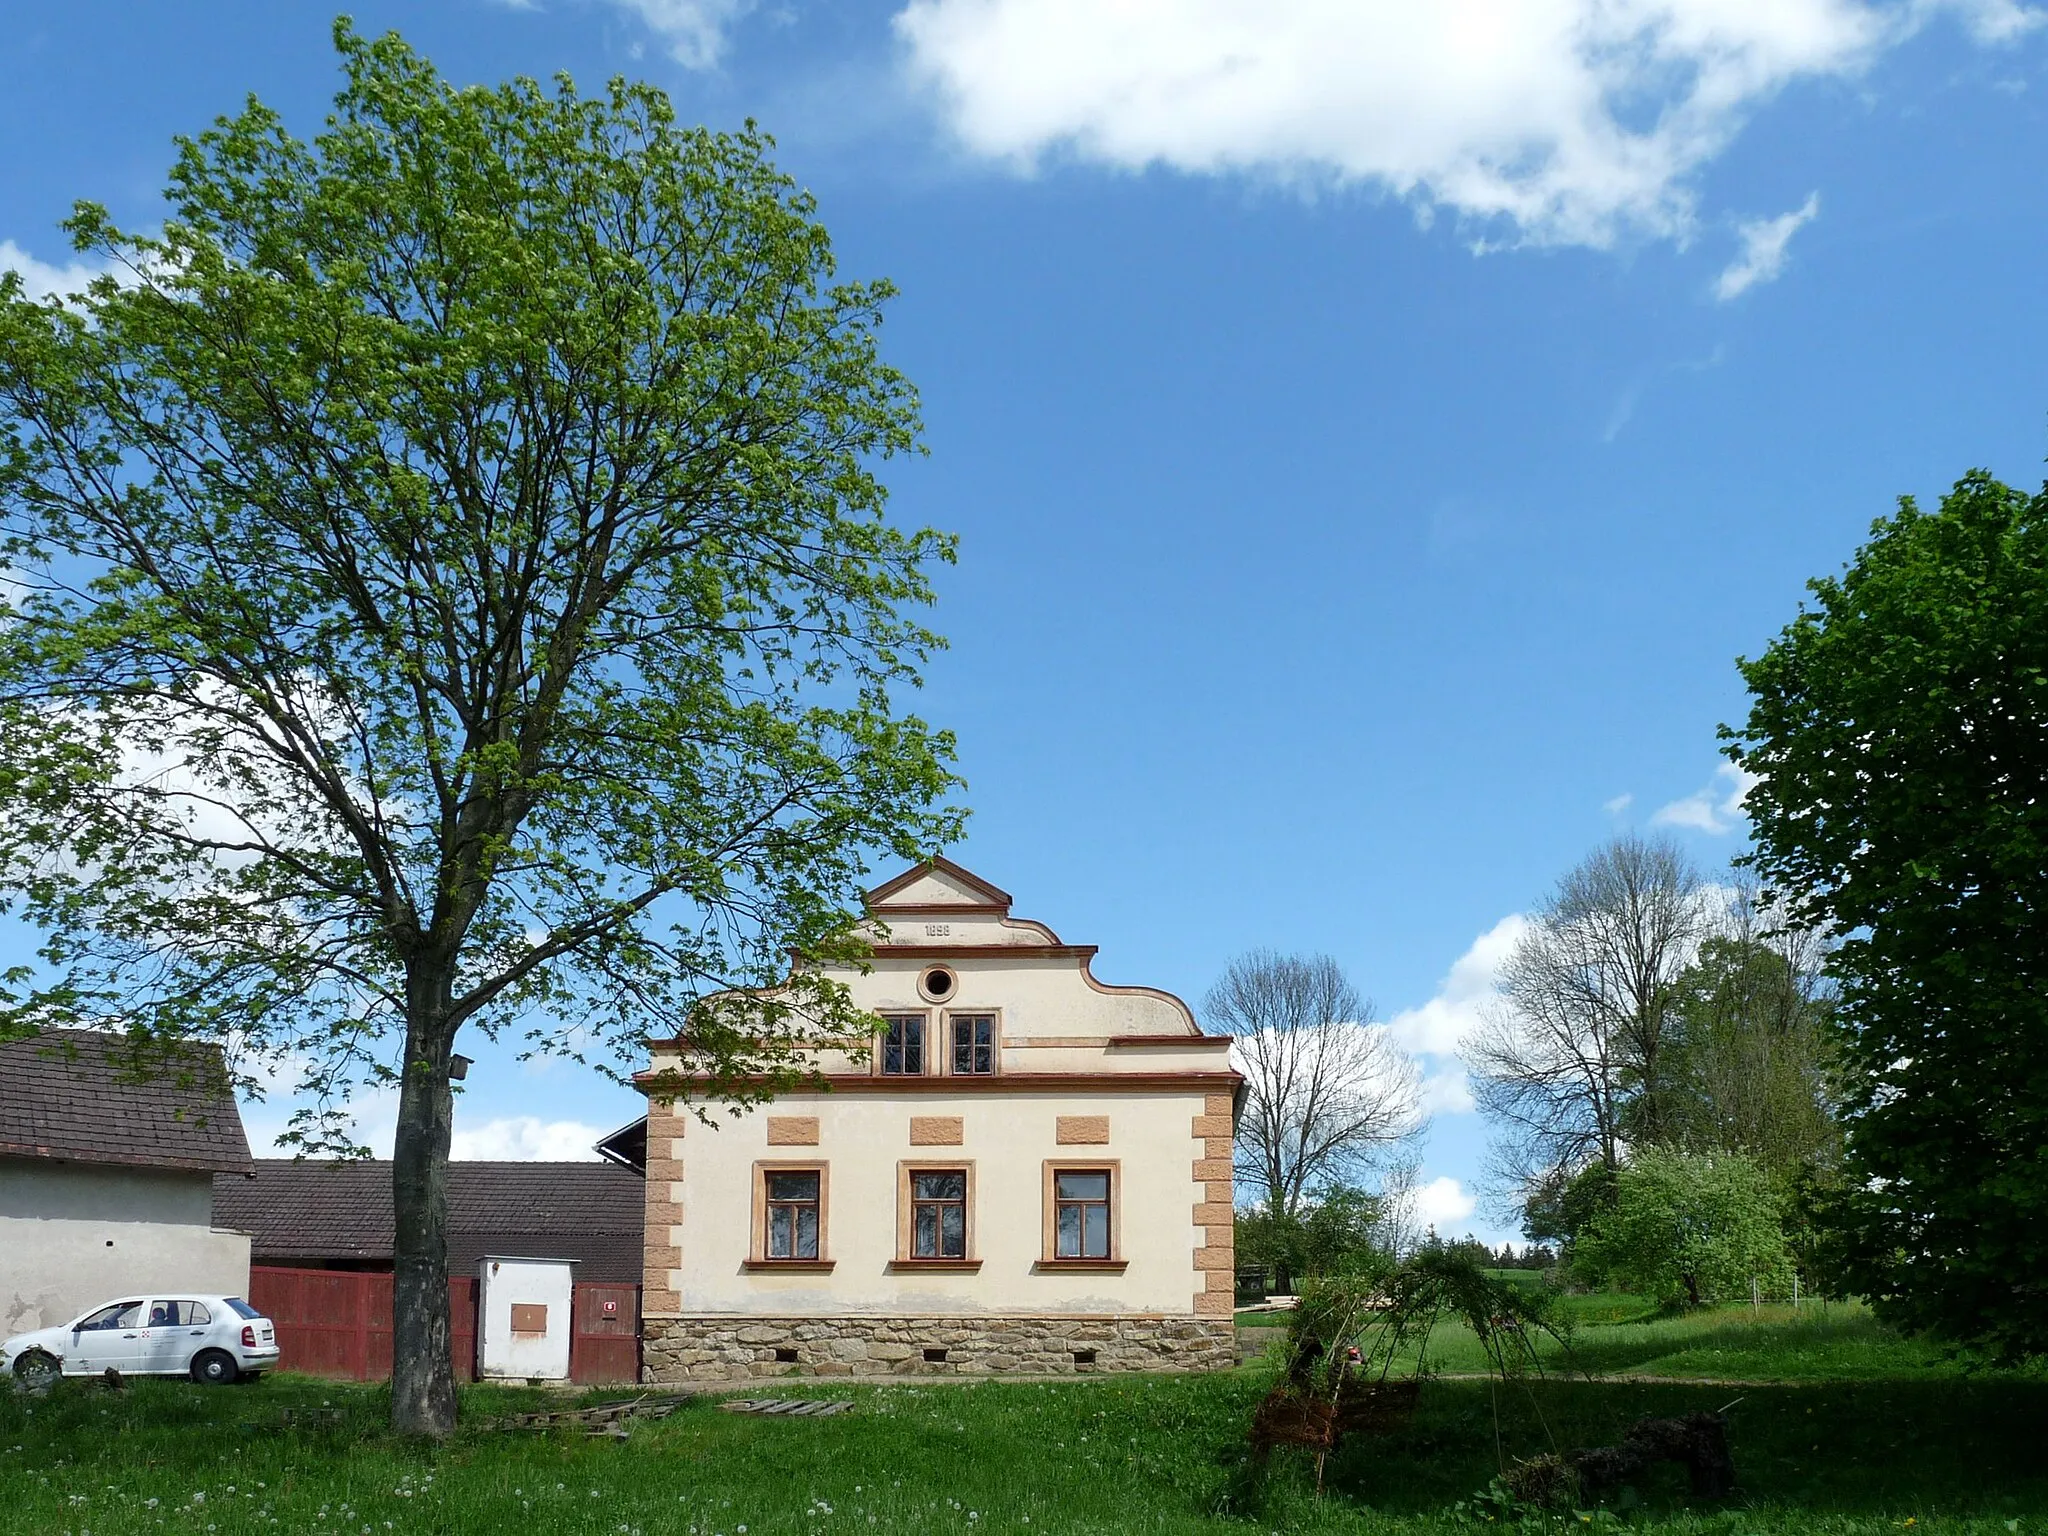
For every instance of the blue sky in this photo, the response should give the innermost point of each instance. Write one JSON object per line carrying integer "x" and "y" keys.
{"x": 1374, "y": 430}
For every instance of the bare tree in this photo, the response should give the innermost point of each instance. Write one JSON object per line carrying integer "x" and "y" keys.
{"x": 1571, "y": 1061}
{"x": 1326, "y": 1091}
{"x": 1400, "y": 1224}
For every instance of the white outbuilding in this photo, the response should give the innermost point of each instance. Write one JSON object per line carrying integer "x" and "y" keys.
{"x": 107, "y": 1160}
{"x": 524, "y": 1311}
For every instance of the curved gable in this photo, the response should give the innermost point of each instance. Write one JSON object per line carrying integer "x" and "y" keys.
{"x": 941, "y": 914}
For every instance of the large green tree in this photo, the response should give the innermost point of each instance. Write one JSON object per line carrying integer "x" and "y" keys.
{"x": 1899, "y": 734}
{"x": 1688, "y": 1230}
{"x": 450, "y": 591}
{"x": 1751, "y": 1060}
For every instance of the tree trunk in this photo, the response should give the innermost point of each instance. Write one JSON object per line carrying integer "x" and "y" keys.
{"x": 422, "y": 1368}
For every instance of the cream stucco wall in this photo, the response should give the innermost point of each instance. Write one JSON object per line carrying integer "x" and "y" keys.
{"x": 73, "y": 1235}
{"x": 1052, "y": 1017}
{"x": 1006, "y": 1142}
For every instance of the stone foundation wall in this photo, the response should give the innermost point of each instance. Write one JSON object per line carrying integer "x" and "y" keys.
{"x": 678, "y": 1349}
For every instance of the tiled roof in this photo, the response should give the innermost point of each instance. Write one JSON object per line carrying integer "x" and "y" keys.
{"x": 87, "y": 1096}
{"x": 314, "y": 1213}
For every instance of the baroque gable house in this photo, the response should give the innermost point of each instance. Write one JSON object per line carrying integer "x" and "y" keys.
{"x": 1026, "y": 1170}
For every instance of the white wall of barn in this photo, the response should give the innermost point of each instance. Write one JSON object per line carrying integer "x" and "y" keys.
{"x": 74, "y": 1235}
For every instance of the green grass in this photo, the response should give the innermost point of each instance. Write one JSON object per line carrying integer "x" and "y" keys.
{"x": 1606, "y": 1307}
{"x": 1844, "y": 1343}
{"x": 1110, "y": 1454}
{"x": 1262, "y": 1319}
{"x": 1617, "y": 1335}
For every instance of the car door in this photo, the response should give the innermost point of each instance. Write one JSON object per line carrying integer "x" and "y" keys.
{"x": 176, "y": 1328}
{"x": 110, "y": 1336}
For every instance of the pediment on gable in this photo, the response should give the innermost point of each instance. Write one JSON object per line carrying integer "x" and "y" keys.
{"x": 941, "y": 884}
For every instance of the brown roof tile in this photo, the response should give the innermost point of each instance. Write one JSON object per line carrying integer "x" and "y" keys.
{"x": 88, "y": 1096}
{"x": 315, "y": 1213}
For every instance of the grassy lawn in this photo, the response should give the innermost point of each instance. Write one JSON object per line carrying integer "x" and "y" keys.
{"x": 1613, "y": 1335}
{"x": 1262, "y": 1319}
{"x": 1603, "y": 1307}
{"x": 1161, "y": 1454}
{"x": 1844, "y": 1343}
{"x": 1606, "y": 1307}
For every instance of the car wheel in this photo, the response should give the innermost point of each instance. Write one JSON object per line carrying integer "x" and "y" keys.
{"x": 215, "y": 1368}
{"x": 36, "y": 1368}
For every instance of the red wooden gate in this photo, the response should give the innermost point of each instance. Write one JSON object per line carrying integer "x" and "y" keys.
{"x": 604, "y": 1342}
{"x": 333, "y": 1322}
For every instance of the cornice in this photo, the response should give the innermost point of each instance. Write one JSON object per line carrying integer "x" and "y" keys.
{"x": 1081, "y": 952}
{"x": 996, "y": 1084}
{"x": 1215, "y": 1042}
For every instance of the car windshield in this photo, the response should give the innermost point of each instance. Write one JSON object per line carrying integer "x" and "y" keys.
{"x": 122, "y": 1314}
{"x": 242, "y": 1308}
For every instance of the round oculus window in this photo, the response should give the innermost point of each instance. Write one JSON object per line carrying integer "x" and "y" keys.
{"x": 938, "y": 984}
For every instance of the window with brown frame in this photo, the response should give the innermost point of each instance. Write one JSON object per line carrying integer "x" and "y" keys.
{"x": 903, "y": 1045}
{"x": 1081, "y": 1224}
{"x": 974, "y": 1044}
{"x": 935, "y": 1215}
{"x": 793, "y": 1211}
{"x": 938, "y": 1213}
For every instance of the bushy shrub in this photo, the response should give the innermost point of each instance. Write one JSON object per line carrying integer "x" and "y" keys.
{"x": 1339, "y": 1230}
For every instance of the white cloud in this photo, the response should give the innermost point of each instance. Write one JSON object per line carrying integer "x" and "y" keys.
{"x": 1993, "y": 21}
{"x": 1444, "y": 1089}
{"x": 1763, "y": 249}
{"x": 1619, "y": 804}
{"x": 1440, "y": 1025}
{"x": 527, "y": 1139}
{"x": 1715, "y": 809}
{"x": 694, "y": 29}
{"x": 509, "y": 1138}
{"x": 1433, "y": 1032}
{"x": 373, "y": 1111}
{"x": 1441, "y": 1202}
{"x": 42, "y": 279}
{"x": 1557, "y": 121}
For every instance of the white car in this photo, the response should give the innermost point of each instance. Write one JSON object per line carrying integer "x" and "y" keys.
{"x": 216, "y": 1339}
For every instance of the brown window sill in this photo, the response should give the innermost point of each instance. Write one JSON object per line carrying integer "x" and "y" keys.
{"x": 958, "y": 1266}
{"x": 1098, "y": 1266}
{"x": 800, "y": 1266}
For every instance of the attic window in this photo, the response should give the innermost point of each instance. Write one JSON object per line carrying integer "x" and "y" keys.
{"x": 938, "y": 984}
{"x": 903, "y": 1045}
